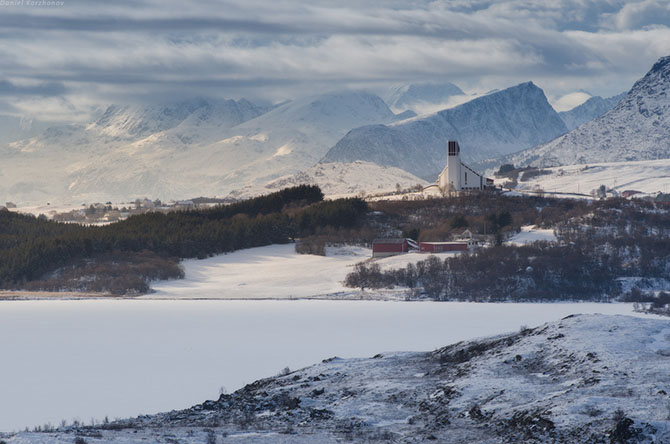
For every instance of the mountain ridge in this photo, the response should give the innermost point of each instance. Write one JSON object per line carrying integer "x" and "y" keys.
{"x": 594, "y": 107}
{"x": 193, "y": 147}
{"x": 413, "y": 96}
{"x": 637, "y": 128}
{"x": 488, "y": 126}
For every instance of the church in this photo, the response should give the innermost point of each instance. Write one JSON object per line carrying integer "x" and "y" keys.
{"x": 457, "y": 176}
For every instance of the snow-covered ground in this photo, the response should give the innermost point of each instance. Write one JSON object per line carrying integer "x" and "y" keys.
{"x": 276, "y": 272}
{"x": 530, "y": 234}
{"x": 83, "y": 359}
{"x": 402, "y": 260}
{"x": 272, "y": 272}
{"x": 648, "y": 176}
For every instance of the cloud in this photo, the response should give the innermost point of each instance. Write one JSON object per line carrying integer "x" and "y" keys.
{"x": 641, "y": 14}
{"x": 101, "y": 52}
{"x": 569, "y": 101}
{"x": 41, "y": 89}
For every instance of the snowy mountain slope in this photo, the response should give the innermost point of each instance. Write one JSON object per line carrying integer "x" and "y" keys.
{"x": 299, "y": 133}
{"x": 416, "y": 96}
{"x": 337, "y": 179}
{"x": 489, "y": 126}
{"x": 586, "y": 378}
{"x": 97, "y": 160}
{"x": 594, "y": 107}
{"x": 125, "y": 124}
{"x": 288, "y": 139}
{"x": 197, "y": 147}
{"x": 638, "y": 128}
{"x": 646, "y": 176}
{"x": 181, "y": 123}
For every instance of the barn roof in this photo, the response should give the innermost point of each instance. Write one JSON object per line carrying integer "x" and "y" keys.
{"x": 388, "y": 241}
{"x": 446, "y": 243}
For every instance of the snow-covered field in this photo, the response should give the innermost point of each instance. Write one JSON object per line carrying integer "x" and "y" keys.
{"x": 274, "y": 272}
{"x": 84, "y": 359}
{"x": 530, "y": 234}
{"x": 648, "y": 176}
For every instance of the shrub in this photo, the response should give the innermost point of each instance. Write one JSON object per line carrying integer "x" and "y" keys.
{"x": 311, "y": 245}
{"x": 505, "y": 169}
{"x": 531, "y": 173}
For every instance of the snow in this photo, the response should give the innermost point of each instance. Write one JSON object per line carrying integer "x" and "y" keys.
{"x": 590, "y": 109}
{"x": 530, "y": 234}
{"x": 402, "y": 260}
{"x": 637, "y": 128}
{"x": 83, "y": 359}
{"x": 278, "y": 272}
{"x": 274, "y": 271}
{"x": 488, "y": 126}
{"x": 647, "y": 176}
{"x": 419, "y": 97}
{"x": 199, "y": 147}
{"x": 338, "y": 179}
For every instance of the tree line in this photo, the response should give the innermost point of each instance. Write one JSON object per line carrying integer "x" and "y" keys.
{"x": 598, "y": 243}
{"x": 32, "y": 247}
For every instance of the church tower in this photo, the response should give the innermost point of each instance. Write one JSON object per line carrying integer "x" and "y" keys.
{"x": 456, "y": 176}
{"x": 452, "y": 180}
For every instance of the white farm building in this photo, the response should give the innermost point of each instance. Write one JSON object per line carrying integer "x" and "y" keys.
{"x": 457, "y": 176}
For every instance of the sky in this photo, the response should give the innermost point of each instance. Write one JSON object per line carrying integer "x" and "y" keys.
{"x": 65, "y": 59}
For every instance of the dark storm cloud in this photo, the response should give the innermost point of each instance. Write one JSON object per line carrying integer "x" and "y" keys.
{"x": 44, "y": 89}
{"x": 122, "y": 24}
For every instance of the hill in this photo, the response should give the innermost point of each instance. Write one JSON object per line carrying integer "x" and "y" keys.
{"x": 336, "y": 179}
{"x": 585, "y": 378}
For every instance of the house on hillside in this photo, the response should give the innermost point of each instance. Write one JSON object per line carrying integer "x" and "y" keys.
{"x": 391, "y": 247}
{"x": 466, "y": 235}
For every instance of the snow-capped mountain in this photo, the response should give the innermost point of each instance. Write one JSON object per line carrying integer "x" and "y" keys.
{"x": 585, "y": 378}
{"x": 123, "y": 124}
{"x": 196, "y": 147}
{"x": 637, "y": 128}
{"x": 141, "y": 121}
{"x": 594, "y": 107}
{"x": 415, "y": 96}
{"x": 489, "y": 126}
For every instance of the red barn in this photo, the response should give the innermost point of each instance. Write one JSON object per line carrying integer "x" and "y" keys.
{"x": 390, "y": 247}
{"x": 439, "y": 247}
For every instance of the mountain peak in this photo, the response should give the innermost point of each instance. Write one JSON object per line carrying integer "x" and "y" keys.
{"x": 637, "y": 128}
{"x": 411, "y": 96}
{"x": 594, "y": 107}
{"x": 663, "y": 64}
{"x": 488, "y": 126}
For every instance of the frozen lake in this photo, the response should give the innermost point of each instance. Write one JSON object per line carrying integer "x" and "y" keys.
{"x": 87, "y": 359}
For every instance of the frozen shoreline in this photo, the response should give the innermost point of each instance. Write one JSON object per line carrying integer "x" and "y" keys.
{"x": 92, "y": 358}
